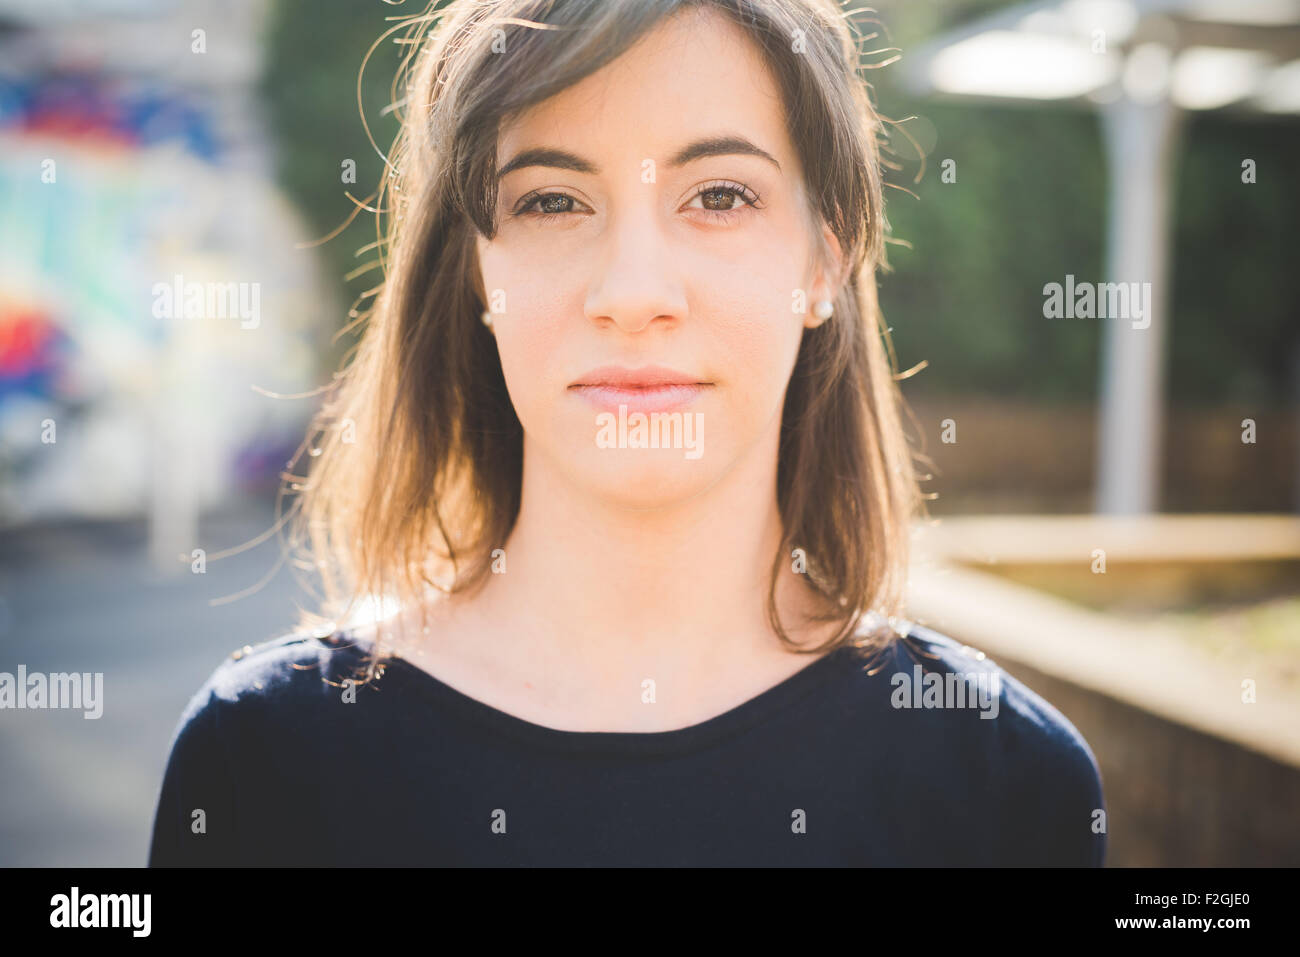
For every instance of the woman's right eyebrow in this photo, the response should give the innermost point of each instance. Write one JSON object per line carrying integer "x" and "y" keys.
{"x": 545, "y": 156}
{"x": 729, "y": 145}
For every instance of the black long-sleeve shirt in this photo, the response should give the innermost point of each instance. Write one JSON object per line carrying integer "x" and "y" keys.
{"x": 848, "y": 762}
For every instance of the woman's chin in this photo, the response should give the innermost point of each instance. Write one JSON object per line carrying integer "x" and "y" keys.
{"x": 647, "y": 478}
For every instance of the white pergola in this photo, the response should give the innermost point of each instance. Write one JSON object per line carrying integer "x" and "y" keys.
{"x": 1142, "y": 64}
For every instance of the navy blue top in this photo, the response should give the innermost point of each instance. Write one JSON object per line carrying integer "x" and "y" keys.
{"x": 851, "y": 761}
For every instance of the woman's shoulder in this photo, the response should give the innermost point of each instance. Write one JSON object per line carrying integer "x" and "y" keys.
{"x": 969, "y": 742}
{"x": 291, "y": 670}
{"x": 296, "y": 662}
{"x": 274, "y": 711}
{"x": 959, "y": 686}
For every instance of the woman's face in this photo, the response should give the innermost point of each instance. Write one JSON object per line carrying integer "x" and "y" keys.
{"x": 636, "y": 249}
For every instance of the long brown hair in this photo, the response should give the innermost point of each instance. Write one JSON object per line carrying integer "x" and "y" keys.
{"x": 416, "y": 479}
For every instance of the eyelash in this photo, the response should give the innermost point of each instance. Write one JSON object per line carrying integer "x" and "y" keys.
{"x": 747, "y": 195}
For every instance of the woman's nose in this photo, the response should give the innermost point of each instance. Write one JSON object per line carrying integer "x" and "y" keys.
{"x": 636, "y": 279}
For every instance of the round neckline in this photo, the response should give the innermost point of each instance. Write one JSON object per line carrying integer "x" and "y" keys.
{"x": 733, "y": 721}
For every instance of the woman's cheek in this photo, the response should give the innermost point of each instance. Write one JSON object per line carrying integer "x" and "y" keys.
{"x": 760, "y": 334}
{"x": 530, "y": 342}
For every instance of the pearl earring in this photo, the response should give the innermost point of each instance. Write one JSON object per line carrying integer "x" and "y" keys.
{"x": 823, "y": 309}
{"x": 487, "y": 319}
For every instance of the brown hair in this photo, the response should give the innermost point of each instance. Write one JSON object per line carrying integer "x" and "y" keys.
{"x": 417, "y": 477}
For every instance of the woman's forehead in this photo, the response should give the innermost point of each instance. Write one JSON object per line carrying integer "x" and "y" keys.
{"x": 691, "y": 77}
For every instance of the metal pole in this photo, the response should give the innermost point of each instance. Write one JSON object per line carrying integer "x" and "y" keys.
{"x": 1139, "y": 141}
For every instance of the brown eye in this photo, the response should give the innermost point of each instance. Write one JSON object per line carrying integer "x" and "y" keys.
{"x": 554, "y": 203}
{"x": 546, "y": 205}
{"x": 719, "y": 200}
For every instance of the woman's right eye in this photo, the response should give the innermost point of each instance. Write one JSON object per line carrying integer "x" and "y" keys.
{"x": 549, "y": 205}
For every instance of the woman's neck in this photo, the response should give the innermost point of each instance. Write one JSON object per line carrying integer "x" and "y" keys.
{"x": 594, "y": 598}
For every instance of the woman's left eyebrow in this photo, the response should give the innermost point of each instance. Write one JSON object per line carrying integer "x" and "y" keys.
{"x": 729, "y": 145}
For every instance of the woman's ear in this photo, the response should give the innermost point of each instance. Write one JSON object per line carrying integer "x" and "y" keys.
{"x": 828, "y": 278}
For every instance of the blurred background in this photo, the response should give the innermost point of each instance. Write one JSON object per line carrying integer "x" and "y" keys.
{"x": 1115, "y": 511}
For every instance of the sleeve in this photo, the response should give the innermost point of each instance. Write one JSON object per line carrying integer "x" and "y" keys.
{"x": 194, "y": 821}
{"x": 1081, "y": 825}
{"x": 1066, "y": 823}
{"x": 1098, "y": 823}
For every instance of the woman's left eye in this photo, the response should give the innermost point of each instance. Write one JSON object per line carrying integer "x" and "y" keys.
{"x": 720, "y": 199}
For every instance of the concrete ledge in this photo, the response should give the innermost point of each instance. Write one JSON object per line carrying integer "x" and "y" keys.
{"x": 1148, "y": 667}
{"x": 1056, "y": 538}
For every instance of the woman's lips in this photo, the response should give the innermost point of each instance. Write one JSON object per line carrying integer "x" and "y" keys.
{"x": 654, "y": 398}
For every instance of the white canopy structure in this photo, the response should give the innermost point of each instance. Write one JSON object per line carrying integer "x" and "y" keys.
{"x": 1142, "y": 64}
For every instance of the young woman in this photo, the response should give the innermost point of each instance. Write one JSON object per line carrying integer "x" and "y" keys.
{"x": 611, "y": 506}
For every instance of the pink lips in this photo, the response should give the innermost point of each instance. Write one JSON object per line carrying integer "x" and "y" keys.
{"x": 647, "y": 389}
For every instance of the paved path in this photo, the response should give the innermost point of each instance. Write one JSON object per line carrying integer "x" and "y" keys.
{"x": 84, "y": 597}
